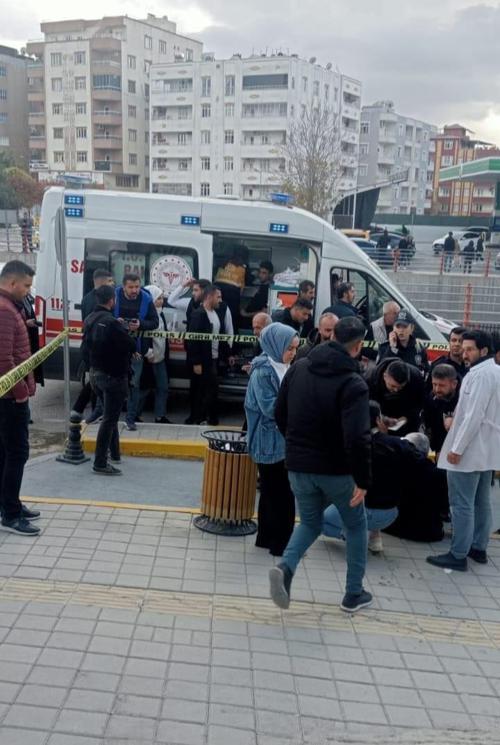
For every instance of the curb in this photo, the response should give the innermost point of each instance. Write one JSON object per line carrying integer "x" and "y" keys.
{"x": 142, "y": 448}
{"x": 112, "y": 505}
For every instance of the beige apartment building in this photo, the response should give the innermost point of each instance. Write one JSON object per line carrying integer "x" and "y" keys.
{"x": 88, "y": 97}
{"x": 13, "y": 104}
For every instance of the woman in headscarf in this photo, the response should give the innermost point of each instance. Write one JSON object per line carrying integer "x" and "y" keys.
{"x": 155, "y": 375}
{"x": 266, "y": 445}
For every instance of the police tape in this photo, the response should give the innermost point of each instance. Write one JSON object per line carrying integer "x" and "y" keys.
{"x": 10, "y": 379}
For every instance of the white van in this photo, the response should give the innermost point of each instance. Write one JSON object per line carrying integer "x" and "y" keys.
{"x": 168, "y": 239}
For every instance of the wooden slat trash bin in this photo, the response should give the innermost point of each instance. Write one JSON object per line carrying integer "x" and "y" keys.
{"x": 229, "y": 485}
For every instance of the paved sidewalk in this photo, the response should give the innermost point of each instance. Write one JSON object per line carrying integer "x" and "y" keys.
{"x": 131, "y": 626}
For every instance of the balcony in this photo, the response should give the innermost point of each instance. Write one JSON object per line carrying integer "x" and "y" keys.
{"x": 38, "y": 142}
{"x": 107, "y": 142}
{"x": 259, "y": 151}
{"x": 109, "y": 166}
{"x": 107, "y": 117}
{"x": 387, "y": 136}
{"x": 106, "y": 94}
{"x": 105, "y": 44}
{"x": 386, "y": 159}
{"x": 37, "y": 115}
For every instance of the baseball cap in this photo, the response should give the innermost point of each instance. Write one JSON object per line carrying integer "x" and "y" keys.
{"x": 404, "y": 318}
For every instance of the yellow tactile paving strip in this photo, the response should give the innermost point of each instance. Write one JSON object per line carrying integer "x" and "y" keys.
{"x": 256, "y": 610}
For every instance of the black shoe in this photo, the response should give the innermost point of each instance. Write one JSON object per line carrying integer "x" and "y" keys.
{"x": 162, "y": 420}
{"x": 116, "y": 459}
{"x": 352, "y": 603}
{"x": 280, "y": 578}
{"x": 29, "y": 514}
{"x": 107, "y": 470}
{"x": 131, "y": 426}
{"x": 213, "y": 422}
{"x": 189, "y": 420}
{"x": 21, "y": 526}
{"x": 138, "y": 419}
{"x": 448, "y": 561}
{"x": 480, "y": 557}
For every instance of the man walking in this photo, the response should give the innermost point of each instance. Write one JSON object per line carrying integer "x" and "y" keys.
{"x": 135, "y": 310}
{"x": 470, "y": 453}
{"x": 323, "y": 412}
{"x": 15, "y": 284}
{"x": 449, "y": 251}
{"x": 109, "y": 348}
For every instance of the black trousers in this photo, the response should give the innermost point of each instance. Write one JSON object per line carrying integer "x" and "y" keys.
{"x": 276, "y": 512}
{"x": 14, "y": 452}
{"x": 113, "y": 392}
{"x": 85, "y": 397}
{"x": 206, "y": 394}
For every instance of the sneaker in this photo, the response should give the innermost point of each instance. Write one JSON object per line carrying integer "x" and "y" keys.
{"x": 107, "y": 470}
{"x": 162, "y": 420}
{"x": 280, "y": 578}
{"x": 29, "y": 514}
{"x": 352, "y": 603}
{"x": 480, "y": 557}
{"x": 448, "y": 561}
{"x": 375, "y": 545}
{"x": 113, "y": 459}
{"x": 131, "y": 426}
{"x": 138, "y": 419}
{"x": 21, "y": 526}
{"x": 94, "y": 416}
{"x": 189, "y": 420}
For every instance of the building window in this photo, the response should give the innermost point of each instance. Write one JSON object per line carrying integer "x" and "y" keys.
{"x": 327, "y": 91}
{"x": 132, "y": 111}
{"x": 228, "y": 164}
{"x": 58, "y": 133}
{"x": 147, "y": 66}
{"x": 58, "y": 156}
{"x": 205, "y": 164}
{"x": 293, "y": 84}
{"x": 80, "y": 58}
{"x": 80, "y": 83}
{"x": 229, "y": 137}
{"x": 57, "y": 109}
{"x": 364, "y": 149}
{"x": 182, "y": 138}
{"x": 3, "y": 71}
{"x": 264, "y": 110}
{"x": 146, "y": 114}
{"x": 127, "y": 182}
{"x": 205, "y": 190}
{"x": 146, "y": 91}
{"x": 205, "y": 111}
{"x": 132, "y": 159}
{"x": 3, "y": 117}
{"x": 81, "y": 108}
{"x": 81, "y": 156}
{"x": 189, "y": 55}
{"x": 229, "y": 85}
{"x": 206, "y": 86}
{"x": 228, "y": 189}
{"x": 183, "y": 165}
{"x": 304, "y": 84}
{"x": 4, "y": 141}
{"x": 81, "y": 133}
{"x": 148, "y": 42}
{"x": 184, "y": 112}
{"x": 205, "y": 137}
{"x": 229, "y": 110}
{"x": 365, "y": 128}
{"x": 316, "y": 88}
{"x": 56, "y": 85}
{"x": 131, "y": 86}
{"x": 131, "y": 62}
{"x": 146, "y": 161}
{"x": 56, "y": 59}
{"x": 132, "y": 135}
{"x": 448, "y": 144}
{"x": 146, "y": 138}
{"x": 363, "y": 171}
{"x": 162, "y": 46}
{"x": 113, "y": 82}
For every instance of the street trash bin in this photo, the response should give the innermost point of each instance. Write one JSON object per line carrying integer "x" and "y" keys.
{"x": 229, "y": 485}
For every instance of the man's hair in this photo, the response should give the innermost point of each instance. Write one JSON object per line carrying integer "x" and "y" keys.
{"x": 444, "y": 372}
{"x": 349, "y": 330}
{"x": 328, "y": 315}
{"x": 375, "y": 413}
{"x": 399, "y": 371}
{"x": 343, "y": 288}
{"x": 458, "y": 330}
{"x": 419, "y": 441}
{"x": 130, "y": 277}
{"x": 103, "y": 294}
{"x": 305, "y": 285}
{"x": 267, "y": 265}
{"x": 202, "y": 283}
{"x": 16, "y": 269}
{"x": 304, "y": 304}
{"x": 101, "y": 274}
{"x": 209, "y": 290}
{"x": 480, "y": 338}
{"x": 388, "y": 305}
{"x": 267, "y": 318}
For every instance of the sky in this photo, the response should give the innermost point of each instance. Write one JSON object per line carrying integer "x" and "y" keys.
{"x": 436, "y": 59}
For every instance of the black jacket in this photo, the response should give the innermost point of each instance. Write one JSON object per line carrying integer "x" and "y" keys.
{"x": 283, "y": 315}
{"x": 200, "y": 352}
{"x": 322, "y": 411}
{"x": 107, "y": 345}
{"x": 449, "y": 245}
{"x": 312, "y": 341}
{"x": 446, "y": 360}
{"x": 89, "y": 304}
{"x": 407, "y": 402}
{"x": 341, "y": 309}
{"x": 433, "y": 413}
{"x": 130, "y": 309}
{"x": 387, "y": 471}
{"x": 414, "y": 354}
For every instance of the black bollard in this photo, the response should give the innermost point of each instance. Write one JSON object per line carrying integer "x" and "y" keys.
{"x": 73, "y": 452}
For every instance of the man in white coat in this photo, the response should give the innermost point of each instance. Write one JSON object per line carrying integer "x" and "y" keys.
{"x": 470, "y": 453}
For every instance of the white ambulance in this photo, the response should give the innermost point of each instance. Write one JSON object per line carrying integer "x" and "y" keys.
{"x": 168, "y": 240}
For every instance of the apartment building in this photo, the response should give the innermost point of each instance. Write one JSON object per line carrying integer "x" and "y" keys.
{"x": 88, "y": 97}
{"x": 395, "y": 148}
{"x": 460, "y": 198}
{"x": 13, "y": 104}
{"x": 218, "y": 126}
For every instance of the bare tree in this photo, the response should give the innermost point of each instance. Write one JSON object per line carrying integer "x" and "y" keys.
{"x": 313, "y": 164}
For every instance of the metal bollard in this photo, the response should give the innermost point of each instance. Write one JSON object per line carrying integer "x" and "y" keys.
{"x": 73, "y": 452}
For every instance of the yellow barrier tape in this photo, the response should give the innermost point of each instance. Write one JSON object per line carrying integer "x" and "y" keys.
{"x": 10, "y": 379}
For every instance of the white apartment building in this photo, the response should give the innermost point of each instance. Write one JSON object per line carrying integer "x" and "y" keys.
{"x": 88, "y": 97}
{"x": 398, "y": 148}
{"x": 218, "y": 126}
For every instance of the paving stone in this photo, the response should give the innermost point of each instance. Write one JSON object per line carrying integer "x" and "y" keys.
{"x": 103, "y": 663}
{"x": 324, "y": 708}
{"x": 8, "y": 692}
{"x": 278, "y": 723}
{"x": 107, "y": 645}
{"x": 273, "y": 681}
{"x": 61, "y": 658}
{"x": 401, "y": 696}
{"x": 274, "y": 662}
{"x": 90, "y": 700}
{"x": 14, "y": 672}
{"x": 130, "y": 728}
{"x": 471, "y": 684}
{"x": 81, "y": 722}
{"x": 50, "y": 676}
{"x": 189, "y": 691}
{"x": 23, "y": 715}
{"x": 9, "y": 736}
{"x": 315, "y": 687}
{"x": 18, "y": 653}
{"x": 58, "y": 739}
{"x": 184, "y": 711}
{"x": 432, "y": 681}
{"x": 182, "y": 671}
{"x": 229, "y": 715}
{"x": 405, "y": 716}
{"x": 450, "y": 719}
{"x": 480, "y": 704}
{"x": 348, "y": 691}
{"x": 95, "y": 681}
{"x": 184, "y": 733}
{"x": 463, "y": 666}
{"x": 41, "y": 695}
{"x": 423, "y": 662}
{"x": 359, "y": 712}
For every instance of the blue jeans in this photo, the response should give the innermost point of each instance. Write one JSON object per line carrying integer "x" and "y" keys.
{"x": 134, "y": 396}
{"x": 376, "y": 520}
{"x": 470, "y": 506}
{"x": 314, "y": 492}
{"x": 161, "y": 389}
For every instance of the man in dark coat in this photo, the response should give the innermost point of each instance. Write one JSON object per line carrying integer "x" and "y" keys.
{"x": 325, "y": 332}
{"x": 344, "y": 306}
{"x": 297, "y": 316}
{"x": 399, "y": 388}
{"x": 440, "y": 405}
{"x": 404, "y": 345}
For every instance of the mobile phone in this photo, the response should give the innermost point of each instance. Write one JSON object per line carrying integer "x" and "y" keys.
{"x": 396, "y": 427}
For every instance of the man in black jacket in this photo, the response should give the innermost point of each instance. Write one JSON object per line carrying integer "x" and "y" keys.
{"x": 324, "y": 333}
{"x": 344, "y": 307}
{"x": 440, "y": 405}
{"x": 448, "y": 251}
{"x": 400, "y": 390}
{"x": 454, "y": 356}
{"x": 297, "y": 316}
{"x": 89, "y": 301}
{"x": 109, "y": 349}
{"x": 403, "y": 344}
{"x": 322, "y": 411}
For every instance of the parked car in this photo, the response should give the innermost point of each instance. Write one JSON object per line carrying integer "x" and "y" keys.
{"x": 370, "y": 249}
{"x": 497, "y": 263}
{"x": 463, "y": 237}
{"x": 443, "y": 324}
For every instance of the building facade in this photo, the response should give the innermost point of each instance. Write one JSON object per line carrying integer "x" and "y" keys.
{"x": 460, "y": 198}
{"x": 396, "y": 148}
{"x": 88, "y": 97}
{"x": 218, "y": 126}
{"x": 14, "y": 104}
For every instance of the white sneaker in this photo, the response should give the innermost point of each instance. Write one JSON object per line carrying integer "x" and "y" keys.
{"x": 375, "y": 545}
